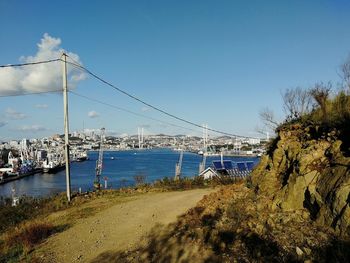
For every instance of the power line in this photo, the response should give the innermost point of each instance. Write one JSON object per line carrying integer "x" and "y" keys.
{"x": 74, "y": 63}
{"x": 29, "y": 93}
{"x": 129, "y": 111}
{"x": 30, "y": 63}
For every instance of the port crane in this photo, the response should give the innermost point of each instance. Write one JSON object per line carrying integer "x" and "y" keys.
{"x": 99, "y": 162}
{"x": 178, "y": 166}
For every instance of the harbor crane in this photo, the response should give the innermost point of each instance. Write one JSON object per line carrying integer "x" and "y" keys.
{"x": 99, "y": 162}
{"x": 178, "y": 166}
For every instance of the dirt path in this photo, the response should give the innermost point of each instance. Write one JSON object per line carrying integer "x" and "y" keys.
{"x": 119, "y": 227}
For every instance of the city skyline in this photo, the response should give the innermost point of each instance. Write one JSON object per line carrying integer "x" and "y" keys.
{"x": 199, "y": 61}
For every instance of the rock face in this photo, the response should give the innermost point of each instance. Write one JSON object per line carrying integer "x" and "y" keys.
{"x": 304, "y": 171}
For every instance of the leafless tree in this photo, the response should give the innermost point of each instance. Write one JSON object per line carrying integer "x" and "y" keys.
{"x": 268, "y": 118}
{"x": 297, "y": 102}
{"x": 345, "y": 74}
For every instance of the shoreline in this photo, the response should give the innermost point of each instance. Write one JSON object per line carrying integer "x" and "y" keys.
{"x": 14, "y": 178}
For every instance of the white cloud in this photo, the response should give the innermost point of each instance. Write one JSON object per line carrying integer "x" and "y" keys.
{"x": 41, "y": 106}
{"x": 31, "y": 128}
{"x": 42, "y": 77}
{"x": 14, "y": 115}
{"x": 93, "y": 114}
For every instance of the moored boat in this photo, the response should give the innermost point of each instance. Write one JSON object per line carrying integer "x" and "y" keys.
{"x": 52, "y": 167}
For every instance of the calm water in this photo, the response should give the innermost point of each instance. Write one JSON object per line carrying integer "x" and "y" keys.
{"x": 153, "y": 164}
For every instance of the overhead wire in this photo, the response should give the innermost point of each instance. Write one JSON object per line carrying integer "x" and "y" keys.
{"x": 76, "y": 64}
{"x": 129, "y": 111}
{"x": 29, "y": 93}
{"x": 30, "y": 63}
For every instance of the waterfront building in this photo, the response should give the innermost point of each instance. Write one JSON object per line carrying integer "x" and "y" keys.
{"x": 41, "y": 155}
{"x": 24, "y": 143}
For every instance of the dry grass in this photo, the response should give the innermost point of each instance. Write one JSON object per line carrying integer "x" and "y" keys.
{"x": 235, "y": 225}
{"x": 29, "y": 234}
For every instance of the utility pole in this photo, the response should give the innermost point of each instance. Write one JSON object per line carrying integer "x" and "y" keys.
{"x": 66, "y": 125}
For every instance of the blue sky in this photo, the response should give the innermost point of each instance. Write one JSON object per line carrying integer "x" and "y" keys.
{"x": 214, "y": 62}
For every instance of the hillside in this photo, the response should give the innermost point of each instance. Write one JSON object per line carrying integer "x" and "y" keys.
{"x": 293, "y": 208}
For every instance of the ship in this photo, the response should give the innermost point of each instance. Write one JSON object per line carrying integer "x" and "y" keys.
{"x": 82, "y": 156}
{"x": 53, "y": 163}
{"x": 52, "y": 167}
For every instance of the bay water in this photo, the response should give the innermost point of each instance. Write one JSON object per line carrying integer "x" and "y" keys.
{"x": 119, "y": 169}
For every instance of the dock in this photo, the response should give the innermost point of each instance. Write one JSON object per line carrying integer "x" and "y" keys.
{"x": 14, "y": 178}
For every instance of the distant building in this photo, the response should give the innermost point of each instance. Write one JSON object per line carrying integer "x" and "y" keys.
{"x": 24, "y": 143}
{"x": 253, "y": 141}
{"x": 41, "y": 155}
{"x": 57, "y": 137}
{"x": 13, "y": 144}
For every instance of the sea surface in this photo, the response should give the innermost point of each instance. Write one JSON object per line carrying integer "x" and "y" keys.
{"x": 119, "y": 169}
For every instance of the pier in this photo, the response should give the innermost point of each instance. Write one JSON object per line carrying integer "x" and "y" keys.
{"x": 14, "y": 178}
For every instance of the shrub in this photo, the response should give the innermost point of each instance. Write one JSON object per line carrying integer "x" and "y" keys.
{"x": 140, "y": 179}
{"x": 29, "y": 208}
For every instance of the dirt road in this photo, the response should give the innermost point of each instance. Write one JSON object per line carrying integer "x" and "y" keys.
{"x": 119, "y": 227}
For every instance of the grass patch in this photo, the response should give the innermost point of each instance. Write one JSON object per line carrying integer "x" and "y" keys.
{"x": 22, "y": 240}
{"x": 35, "y": 219}
{"x": 28, "y": 209}
{"x": 84, "y": 212}
{"x": 192, "y": 183}
{"x": 29, "y": 235}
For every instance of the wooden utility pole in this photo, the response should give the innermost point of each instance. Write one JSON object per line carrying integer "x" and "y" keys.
{"x": 66, "y": 125}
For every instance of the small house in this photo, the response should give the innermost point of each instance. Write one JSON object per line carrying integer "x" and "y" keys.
{"x": 208, "y": 173}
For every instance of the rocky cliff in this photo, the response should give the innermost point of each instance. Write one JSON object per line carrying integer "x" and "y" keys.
{"x": 307, "y": 168}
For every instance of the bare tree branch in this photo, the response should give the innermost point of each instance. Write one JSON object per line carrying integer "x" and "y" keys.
{"x": 345, "y": 73}
{"x": 297, "y": 102}
{"x": 267, "y": 117}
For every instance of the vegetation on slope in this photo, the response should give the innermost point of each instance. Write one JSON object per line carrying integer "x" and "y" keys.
{"x": 297, "y": 206}
{"x": 236, "y": 225}
{"x": 32, "y": 221}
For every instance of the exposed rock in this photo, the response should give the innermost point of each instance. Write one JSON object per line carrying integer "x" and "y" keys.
{"x": 302, "y": 172}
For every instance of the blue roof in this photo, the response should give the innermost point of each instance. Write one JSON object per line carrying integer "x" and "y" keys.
{"x": 250, "y": 165}
{"x": 241, "y": 166}
{"x": 218, "y": 165}
{"x": 228, "y": 165}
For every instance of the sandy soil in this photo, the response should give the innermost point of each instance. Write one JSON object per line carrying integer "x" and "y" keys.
{"x": 119, "y": 227}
